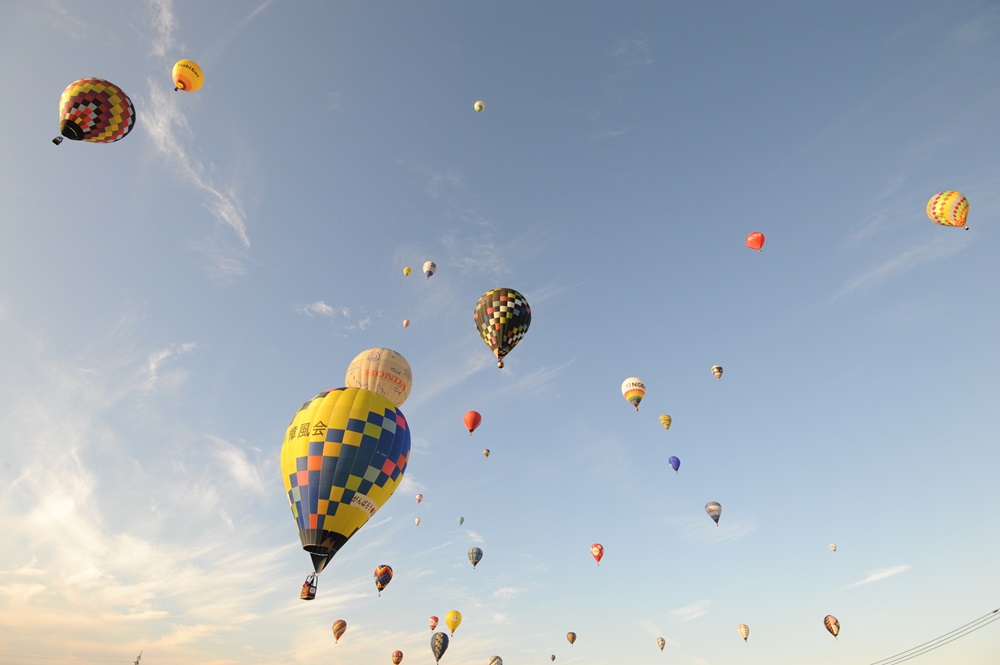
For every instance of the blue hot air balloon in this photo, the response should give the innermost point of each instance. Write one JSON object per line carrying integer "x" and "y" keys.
{"x": 439, "y": 644}
{"x": 675, "y": 463}
{"x": 714, "y": 510}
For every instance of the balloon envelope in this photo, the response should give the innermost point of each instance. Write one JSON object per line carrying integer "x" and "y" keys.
{"x": 755, "y": 240}
{"x": 95, "y": 111}
{"x": 430, "y": 268}
{"x": 439, "y": 644}
{"x": 461, "y": 521}
{"x": 453, "y": 619}
{"x": 486, "y": 452}
{"x": 948, "y": 208}
{"x": 407, "y": 270}
{"x": 416, "y": 520}
{"x": 833, "y": 547}
{"x": 339, "y": 626}
{"x": 406, "y": 323}
{"x": 472, "y": 420}
{"x": 495, "y": 660}
{"x": 397, "y": 657}
{"x": 633, "y": 390}
{"x": 660, "y": 642}
{"x": 744, "y": 631}
{"x": 432, "y": 622}
{"x": 832, "y": 624}
{"x": 479, "y": 106}
{"x": 383, "y": 371}
{"x": 344, "y": 454}
{"x": 597, "y": 551}
{"x": 502, "y": 317}
{"x": 717, "y": 371}
{"x": 187, "y": 76}
{"x": 475, "y": 555}
{"x": 419, "y": 498}
{"x": 675, "y": 463}
{"x": 714, "y": 510}
{"x": 665, "y": 420}
{"x": 571, "y": 637}
{"x": 383, "y": 575}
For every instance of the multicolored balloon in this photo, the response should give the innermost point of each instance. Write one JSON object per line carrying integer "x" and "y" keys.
{"x": 597, "y": 551}
{"x": 383, "y": 371}
{"x": 744, "y": 631}
{"x": 439, "y": 644}
{"x": 453, "y": 620}
{"x": 486, "y": 452}
{"x": 430, "y": 268}
{"x": 714, "y": 510}
{"x": 948, "y": 208}
{"x": 343, "y": 456}
{"x": 383, "y": 575}
{"x": 717, "y": 371}
{"x": 755, "y": 240}
{"x": 571, "y": 637}
{"x": 432, "y": 622}
{"x": 832, "y": 625}
{"x": 475, "y": 556}
{"x": 660, "y": 642}
{"x": 472, "y": 420}
{"x": 495, "y": 660}
{"x": 339, "y": 626}
{"x": 633, "y": 390}
{"x": 95, "y": 111}
{"x": 397, "y": 657}
{"x": 675, "y": 463}
{"x": 187, "y": 76}
{"x": 502, "y": 317}
{"x": 419, "y": 497}
{"x": 665, "y": 420}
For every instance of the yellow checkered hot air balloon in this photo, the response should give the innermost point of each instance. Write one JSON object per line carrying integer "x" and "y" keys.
{"x": 94, "y": 110}
{"x": 948, "y": 208}
{"x": 344, "y": 455}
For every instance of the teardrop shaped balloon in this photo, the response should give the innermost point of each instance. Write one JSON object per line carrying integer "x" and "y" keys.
{"x": 597, "y": 551}
{"x": 187, "y": 76}
{"x": 832, "y": 625}
{"x": 660, "y": 642}
{"x": 453, "y": 619}
{"x": 383, "y": 575}
{"x": 675, "y": 463}
{"x": 439, "y": 644}
{"x": 472, "y": 420}
{"x": 665, "y": 420}
{"x": 407, "y": 270}
{"x": 633, "y": 390}
{"x": 383, "y": 371}
{"x": 429, "y": 268}
{"x": 502, "y": 317}
{"x": 552, "y": 657}
{"x": 833, "y": 547}
{"x": 461, "y": 521}
{"x": 948, "y": 208}
{"x": 717, "y": 371}
{"x": 479, "y": 106}
{"x": 714, "y": 510}
{"x": 419, "y": 498}
{"x": 571, "y": 637}
{"x": 486, "y": 452}
{"x": 344, "y": 455}
{"x": 416, "y": 520}
{"x": 339, "y": 626}
{"x": 495, "y": 660}
{"x": 95, "y": 111}
{"x": 397, "y": 657}
{"x": 744, "y": 631}
{"x": 475, "y": 556}
{"x": 432, "y": 622}
{"x": 406, "y": 323}
{"x": 755, "y": 240}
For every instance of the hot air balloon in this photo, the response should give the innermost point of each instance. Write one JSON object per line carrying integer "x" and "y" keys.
{"x": 665, "y": 420}
{"x": 429, "y": 268}
{"x": 397, "y": 657}
{"x": 475, "y": 556}
{"x": 714, "y": 510}
{"x": 744, "y": 631}
{"x": 832, "y": 625}
{"x": 419, "y": 497}
{"x": 461, "y": 521}
{"x": 95, "y": 111}
{"x": 948, "y": 208}
{"x": 339, "y": 626}
{"x": 344, "y": 454}
{"x": 383, "y": 371}
{"x": 486, "y": 452}
{"x": 383, "y": 575}
{"x": 416, "y": 520}
{"x": 495, "y": 660}
{"x": 453, "y": 619}
{"x": 660, "y": 642}
{"x": 187, "y": 76}
{"x": 479, "y": 106}
{"x": 833, "y": 547}
{"x": 439, "y": 644}
{"x": 755, "y": 240}
{"x": 502, "y": 317}
{"x": 472, "y": 420}
{"x": 407, "y": 270}
{"x": 406, "y": 323}
{"x": 675, "y": 463}
{"x": 717, "y": 371}
{"x": 633, "y": 390}
{"x": 571, "y": 637}
{"x": 597, "y": 551}
{"x": 552, "y": 657}
{"x": 433, "y": 622}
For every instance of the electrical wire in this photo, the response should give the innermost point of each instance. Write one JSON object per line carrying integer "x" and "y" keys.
{"x": 941, "y": 640}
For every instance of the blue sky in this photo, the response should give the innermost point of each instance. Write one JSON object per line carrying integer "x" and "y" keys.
{"x": 167, "y": 302}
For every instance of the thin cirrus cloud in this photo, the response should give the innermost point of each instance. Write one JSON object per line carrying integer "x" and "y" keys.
{"x": 878, "y": 575}
{"x": 691, "y": 612}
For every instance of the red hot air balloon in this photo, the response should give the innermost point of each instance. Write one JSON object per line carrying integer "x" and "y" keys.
{"x": 755, "y": 240}
{"x": 472, "y": 420}
{"x": 597, "y": 551}
{"x": 433, "y": 622}
{"x": 397, "y": 657}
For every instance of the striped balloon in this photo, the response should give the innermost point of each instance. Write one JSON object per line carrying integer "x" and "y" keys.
{"x": 339, "y": 626}
{"x": 948, "y": 208}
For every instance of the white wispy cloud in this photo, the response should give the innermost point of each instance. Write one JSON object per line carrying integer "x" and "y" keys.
{"x": 881, "y": 574}
{"x": 236, "y": 464}
{"x": 151, "y": 375}
{"x": 634, "y": 50}
{"x": 936, "y": 249}
{"x": 164, "y": 24}
{"x": 320, "y": 308}
{"x": 691, "y": 612}
{"x": 507, "y": 592}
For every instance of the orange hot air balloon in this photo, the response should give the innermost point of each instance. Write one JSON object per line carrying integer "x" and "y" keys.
{"x": 472, "y": 420}
{"x": 755, "y": 240}
{"x": 571, "y": 637}
{"x": 832, "y": 625}
{"x": 339, "y": 626}
{"x": 597, "y": 551}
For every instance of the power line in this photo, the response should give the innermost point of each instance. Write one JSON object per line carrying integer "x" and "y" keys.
{"x": 941, "y": 640}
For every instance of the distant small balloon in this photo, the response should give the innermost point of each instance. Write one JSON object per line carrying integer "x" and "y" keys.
{"x": 832, "y": 625}
{"x": 187, "y": 76}
{"x": 339, "y": 626}
{"x": 430, "y": 268}
{"x": 948, "y": 208}
{"x": 633, "y": 390}
{"x": 383, "y": 575}
{"x": 397, "y": 657}
{"x": 475, "y": 556}
{"x": 665, "y": 420}
{"x": 660, "y": 642}
{"x": 416, "y": 520}
{"x": 407, "y": 270}
{"x": 406, "y": 323}
{"x": 717, "y": 371}
{"x": 486, "y": 452}
{"x": 461, "y": 521}
{"x": 479, "y": 106}
{"x": 597, "y": 551}
{"x": 495, "y": 660}
{"x": 432, "y": 622}
{"x": 439, "y": 644}
{"x": 744, "y": 631}
{"x": 419, "y": 498}
{"x": 714, "y": 510}
{"x": 675, "y": 463}
{"x": 472, "y": 419}
{"x": 755, "y": 240}
{"x": 833, "y": 547}
{"x": 453, "y": 619}
{"x": 571, "y": 637}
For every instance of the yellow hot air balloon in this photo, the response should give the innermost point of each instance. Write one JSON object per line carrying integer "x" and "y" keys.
{"x": 407, "y": 270}
{"x": 453, "y": 619}
{"x": 665, "y": 420}
{"x": 187, "y": 76}
{"x": 383, "y": 371}
{"x": 479, "y": 106}
{"x": 948, "y": 208}
{"x": 633, "y": 389}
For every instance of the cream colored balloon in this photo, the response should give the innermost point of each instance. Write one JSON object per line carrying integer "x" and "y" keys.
{"x": 382, "y": 371}
{"x": 479, "y": 106}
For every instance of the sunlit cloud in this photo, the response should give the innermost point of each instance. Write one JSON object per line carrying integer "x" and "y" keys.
{"x": 508, "y": 592}
{"x": 879, "y": 575}
{"x": 691, "y": 612}
{"x": 928, "y": 252}
{"x": 235, "y": 463}
{"x": 151, "y": 375}
{"x": 320, "y": 308}
{"x": 164, "y": 24}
